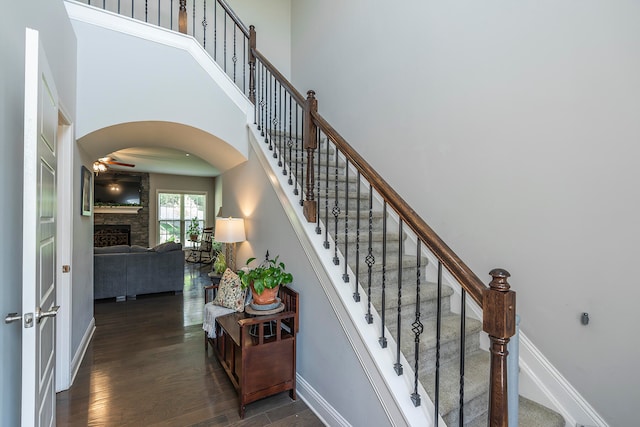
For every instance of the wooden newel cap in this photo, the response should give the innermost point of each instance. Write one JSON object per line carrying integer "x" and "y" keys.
{"x": 499, "y": 281}
{"x": 311, "y": 94}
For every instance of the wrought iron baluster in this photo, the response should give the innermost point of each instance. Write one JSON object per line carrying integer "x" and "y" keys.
{"x": 204, "y": 25}
{"x": 193, "y": 21}
{"x": 215, "y": 31}
{"x": 244, "y": 68}
{"x": 146, "y": 10}
{"x": 398, "y": 365}
{"x": 170, "y": 14}
{"x": 234, "y": 58}
{"x": 159, "y": 13}
{"x": 383, "y": 340}
{"x": 356, "y": 290}
{"x": 263, "y": 91}
{"x": 326, "y": 197}
{"x": 274, "y": 95}
{"x": 290, "y": 146}
{"x": 370, "y": 260}
{"x": 224, "y": 42}
{"x": 345, "y": 275}
{"x": 417, "y": 328}
{"x": 335, "y": 211}
{"x": 463, "y": 309}
{"x": 278, "y": 154}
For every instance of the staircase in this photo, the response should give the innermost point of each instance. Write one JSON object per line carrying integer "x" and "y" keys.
{"x": 349, "y": 227}
{"x": 415, "y": 296}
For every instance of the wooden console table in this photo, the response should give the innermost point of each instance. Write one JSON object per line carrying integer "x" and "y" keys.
{"x": 259, "y": 352}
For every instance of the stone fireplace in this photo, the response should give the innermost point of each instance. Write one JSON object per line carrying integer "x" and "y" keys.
{"x": 111, "y": 235}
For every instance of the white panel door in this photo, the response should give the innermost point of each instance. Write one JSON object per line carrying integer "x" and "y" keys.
{"x": 39, "y": 238}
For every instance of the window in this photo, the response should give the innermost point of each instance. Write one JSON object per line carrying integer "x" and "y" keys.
{"x": 175, "y": 211}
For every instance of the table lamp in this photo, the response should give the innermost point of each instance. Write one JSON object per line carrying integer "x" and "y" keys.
{"x": 230, "y": 231}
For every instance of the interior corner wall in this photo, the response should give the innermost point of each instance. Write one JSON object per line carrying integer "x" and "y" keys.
{"x": 50, "y": 19}
{"x": 272, "y": 20}
{"x": 513, "y": 129}
{"x": 325, "y": 358}
{"x": 162, "y": 182}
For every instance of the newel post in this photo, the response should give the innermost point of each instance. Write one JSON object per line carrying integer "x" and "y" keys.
{"x": 499, "y": 321}
{"x": 182, "y": 17}
{"x": 252, "y": 64}
{"x": 310, "y": 143}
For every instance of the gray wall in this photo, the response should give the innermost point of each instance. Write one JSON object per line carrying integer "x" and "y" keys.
{"x": 325, "y": 358}
{"x": 49, "y": 17}
{"x": 513, "y": 129}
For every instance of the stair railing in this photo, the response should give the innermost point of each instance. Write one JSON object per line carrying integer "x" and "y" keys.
{"x": 323, "y": 170}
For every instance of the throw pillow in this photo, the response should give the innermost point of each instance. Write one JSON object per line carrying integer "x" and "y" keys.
{"x": 230, "y": 293}
{"x": 137, "y": 248}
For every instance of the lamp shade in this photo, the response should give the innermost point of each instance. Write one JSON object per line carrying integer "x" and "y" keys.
{"x": 229, "y": 230}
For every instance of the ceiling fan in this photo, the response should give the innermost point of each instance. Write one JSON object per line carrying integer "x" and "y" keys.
{"x": 102, "y": 164}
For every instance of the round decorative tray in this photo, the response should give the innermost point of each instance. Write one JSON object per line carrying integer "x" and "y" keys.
{"x": 266, "y": 307}
{"x": 277, "y": 309}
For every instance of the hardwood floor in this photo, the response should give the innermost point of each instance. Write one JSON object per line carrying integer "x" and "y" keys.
{"x": 146, "y": 366}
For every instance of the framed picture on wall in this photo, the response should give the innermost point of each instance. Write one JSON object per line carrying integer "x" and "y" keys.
{"x": 86, "y": 191}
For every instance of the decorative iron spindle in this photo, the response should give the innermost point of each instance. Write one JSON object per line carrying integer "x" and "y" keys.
{"x": 234, "y": 58}
{"x": 370, "y": 260}
{"x": 336, "y": 210}
{"x": 204, "y": 25}
{"x": 326, "y": 198}
{"x": 224, "y": 42}
{"x": 383, "y": 340}
{"x": 356, "y": 289}
{"x": 345, "y": 275}
{"x": 398, "y": 365}
{"x": 289, "y": 142}
{"x": 146, "y": 10}
{"x": 417, "y": 328}
{"x": 193, "y": 20}
{"x": 244, "y": 72}
{"x": 263, "y": 103}
{"x": 278, "y": 155}
{"x": 463, "y": 309}
{"x": 215, "y": 31}
{"x": 159, "y": 23}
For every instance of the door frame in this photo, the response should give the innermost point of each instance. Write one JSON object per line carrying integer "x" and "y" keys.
{"x": 64, "y": 250}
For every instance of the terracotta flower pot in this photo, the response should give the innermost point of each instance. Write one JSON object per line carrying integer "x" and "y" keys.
{"x": 268, "y": 296}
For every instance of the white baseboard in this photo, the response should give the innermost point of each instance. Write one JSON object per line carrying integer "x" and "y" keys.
{"x": 323, "y": 410}
{"x": 540, "y": 381}
{"x": 82, "y": 349}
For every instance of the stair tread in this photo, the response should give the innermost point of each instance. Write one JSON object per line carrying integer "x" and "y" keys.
{"x": 530, "y": 414}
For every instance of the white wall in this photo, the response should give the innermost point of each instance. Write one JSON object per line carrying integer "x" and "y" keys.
{"x": 172, "y": 82}
{"x": 50, "y": 19}
{"x": 325, "y": 358}
{"x": 158, "y": 182}
{"x": 512, "y": 128}
{"x": 272, "y": 20}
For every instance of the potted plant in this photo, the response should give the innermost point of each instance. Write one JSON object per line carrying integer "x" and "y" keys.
{"x": 194, "y": 229}
{"x": 265, "y": 280}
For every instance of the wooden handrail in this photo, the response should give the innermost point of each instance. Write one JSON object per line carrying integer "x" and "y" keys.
{"x": 297, "y": 96}
{"x": 234, "y": 17}
{"x": 463, "y": 274}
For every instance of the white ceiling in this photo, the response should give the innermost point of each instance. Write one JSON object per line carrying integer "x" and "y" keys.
{"x": 162, "y": 160}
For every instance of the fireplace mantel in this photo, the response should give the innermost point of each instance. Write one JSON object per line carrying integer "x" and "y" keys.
{"x": 116, "y": 209}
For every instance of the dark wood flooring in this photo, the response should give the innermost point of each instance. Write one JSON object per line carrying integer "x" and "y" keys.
{"x": 146, "y": 366}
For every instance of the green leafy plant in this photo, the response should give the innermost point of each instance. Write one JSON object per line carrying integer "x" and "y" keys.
{"x": 194, "y": 227}
{"x": 268, "y": 275}
{"x": 220, "y": 264}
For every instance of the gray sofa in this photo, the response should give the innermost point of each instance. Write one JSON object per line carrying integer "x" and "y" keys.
{"x": 126, "y": 271}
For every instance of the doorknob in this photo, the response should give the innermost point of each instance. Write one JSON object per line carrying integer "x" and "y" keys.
{"x": 52, "y": 313}
{"x": 12, "y": 317}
